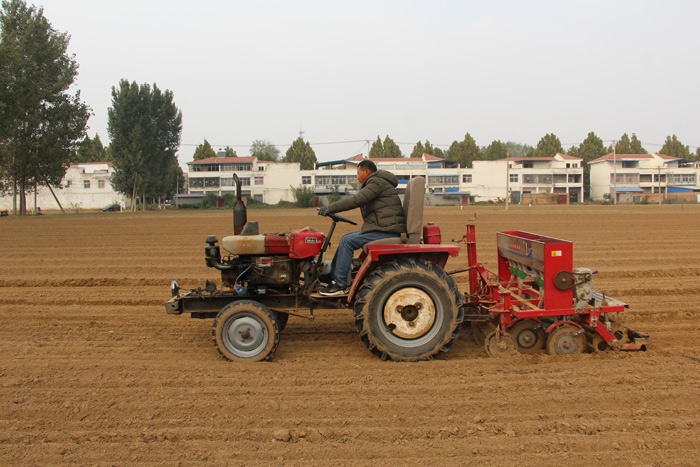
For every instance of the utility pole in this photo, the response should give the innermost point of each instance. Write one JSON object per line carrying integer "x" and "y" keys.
{"x": 660, "y": 185}
{"x": 614, "y": 176}
{"x": 507, "y": 178}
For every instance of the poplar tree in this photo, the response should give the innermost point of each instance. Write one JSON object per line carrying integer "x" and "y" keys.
{"x": 145, "y": 126}
{"x": 41, "y": 122}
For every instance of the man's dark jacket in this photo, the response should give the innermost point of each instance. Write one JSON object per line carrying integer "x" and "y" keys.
{"x": 380, "y": 205}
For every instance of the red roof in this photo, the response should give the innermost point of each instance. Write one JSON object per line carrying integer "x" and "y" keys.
{"x": 225, "y": 160}
{"x": 619, "y": 157}
{"x": 429, "y": 157}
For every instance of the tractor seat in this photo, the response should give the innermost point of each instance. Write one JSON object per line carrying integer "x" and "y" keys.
{"x": 413, "y": 208}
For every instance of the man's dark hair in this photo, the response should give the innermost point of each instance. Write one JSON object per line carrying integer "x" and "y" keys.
{"x": 367, "y": 165}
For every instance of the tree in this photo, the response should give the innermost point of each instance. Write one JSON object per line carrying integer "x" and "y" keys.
{"x": 41, "y": 123}
{"x": 203, "y": 151}
{"x": 548, "y": 146}
{"x": 636, "y": 146}
{"x": 264, "y": 150}
{"x": 591, "y": 148}
{"x": 229, "y": 152}
{"x": 302, "y": 153}
{"x": 517, "y": 149}
{"x": 494, "y": 151}
{"x": 419, "y": 149}
{"x": 388, "y": 149}
{"x": 464, "y": 152}
{"x": 623, "y": 146}
{"x": 91, "y": 150}
{"x": 673, "y": 147}
{"x": 145, "y": 126}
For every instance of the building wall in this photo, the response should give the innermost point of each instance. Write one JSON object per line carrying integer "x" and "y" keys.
{"x": 85, "y": 186}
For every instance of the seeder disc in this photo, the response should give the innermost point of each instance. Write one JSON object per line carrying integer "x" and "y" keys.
{"x": 529, "y": 336}
{"x": 500, "y": 344}
{"x": 566, "y": 340}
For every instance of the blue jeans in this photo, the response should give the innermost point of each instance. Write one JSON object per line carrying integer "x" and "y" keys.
{"x": 342, "y": 261}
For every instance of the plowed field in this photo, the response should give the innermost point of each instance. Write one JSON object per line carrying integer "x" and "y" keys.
{"x": 93, "y": 371}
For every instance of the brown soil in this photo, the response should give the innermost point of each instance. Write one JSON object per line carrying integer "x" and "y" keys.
{"x": 93, "y": 371}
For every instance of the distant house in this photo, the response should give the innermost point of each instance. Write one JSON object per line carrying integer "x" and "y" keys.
{"x": 627, "y": 175}
{"x": 85, "y": 185}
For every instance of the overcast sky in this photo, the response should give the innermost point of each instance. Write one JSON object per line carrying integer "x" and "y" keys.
{"x": 353, "y": 70}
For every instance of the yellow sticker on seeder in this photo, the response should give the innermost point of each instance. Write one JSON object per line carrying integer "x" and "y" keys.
{"x": 556, "y": 253}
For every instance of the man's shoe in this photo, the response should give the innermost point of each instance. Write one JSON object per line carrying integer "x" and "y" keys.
{"x": 333, "y": 290}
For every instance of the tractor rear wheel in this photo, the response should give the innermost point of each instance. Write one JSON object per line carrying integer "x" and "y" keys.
{"x": 246, "y": 331}
{"x": 408, "y": 310}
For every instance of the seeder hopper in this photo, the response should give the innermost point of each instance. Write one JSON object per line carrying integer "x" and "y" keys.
{"x": 537, "y": 299}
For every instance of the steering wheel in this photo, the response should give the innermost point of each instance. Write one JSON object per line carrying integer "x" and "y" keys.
{"x": 337, "y": 218}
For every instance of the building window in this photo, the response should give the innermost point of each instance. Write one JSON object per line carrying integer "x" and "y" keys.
{"x": 100, "y": 183}
{"x": 632, "y": 179}
{"x": 443, "y": 179}
{"x": 233, "y": 167}
{"x": 681, "y": 178}
{"x": 68, "y": 182}
{"x": 306, "y": 179}
{"x": 467, "y": 178}
{"x": 259, "y": 180}
{"x": 196, "y": 182}
{"x": 513, "y": 178}
{"x": 86, "y": 183}
{"x": 211, "y": 182}
{"x": 261, "y": 168}
{"x": 534, "y": 179}
{"x": 630, "y": 164}
{"x": 528, "y": 165}
{"x": 245, "y": 181}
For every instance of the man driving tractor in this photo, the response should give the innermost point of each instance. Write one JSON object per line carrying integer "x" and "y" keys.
{"x": 383, "y": 217}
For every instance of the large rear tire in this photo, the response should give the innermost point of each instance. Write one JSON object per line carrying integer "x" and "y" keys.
{"x": 408, "y": 310}
{"x": 246, "y": 331}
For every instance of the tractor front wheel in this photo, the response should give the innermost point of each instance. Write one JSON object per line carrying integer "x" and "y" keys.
{"x": 246, "y": 331}
{"x": 408, "y": 310}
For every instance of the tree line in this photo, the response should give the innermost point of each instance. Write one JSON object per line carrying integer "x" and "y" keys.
{"x": 43, "y": 125}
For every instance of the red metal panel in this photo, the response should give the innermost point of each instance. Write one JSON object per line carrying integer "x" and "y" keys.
{"x": 539, "y": 257}
{"x": 305, "y": 243}
{"x": 276, "y": 245}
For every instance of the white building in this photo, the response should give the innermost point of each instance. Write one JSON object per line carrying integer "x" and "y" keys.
{"x": 639, "y": 174}
{"x": 485, "y": 181}
{"x": 85, "y": 186}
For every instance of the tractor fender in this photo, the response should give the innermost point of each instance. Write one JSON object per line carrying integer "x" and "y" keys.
{"x": 556, "y": 325}
{"x": 380, "y": 254}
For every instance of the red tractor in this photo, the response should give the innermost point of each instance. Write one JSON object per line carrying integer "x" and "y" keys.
{"x": 406, "y": 307}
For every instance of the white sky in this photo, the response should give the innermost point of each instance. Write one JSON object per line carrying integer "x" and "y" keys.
{"x": 353, "y": 70}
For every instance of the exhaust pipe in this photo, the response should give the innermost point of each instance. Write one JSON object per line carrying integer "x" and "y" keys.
{"x": 240, "y": 214}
